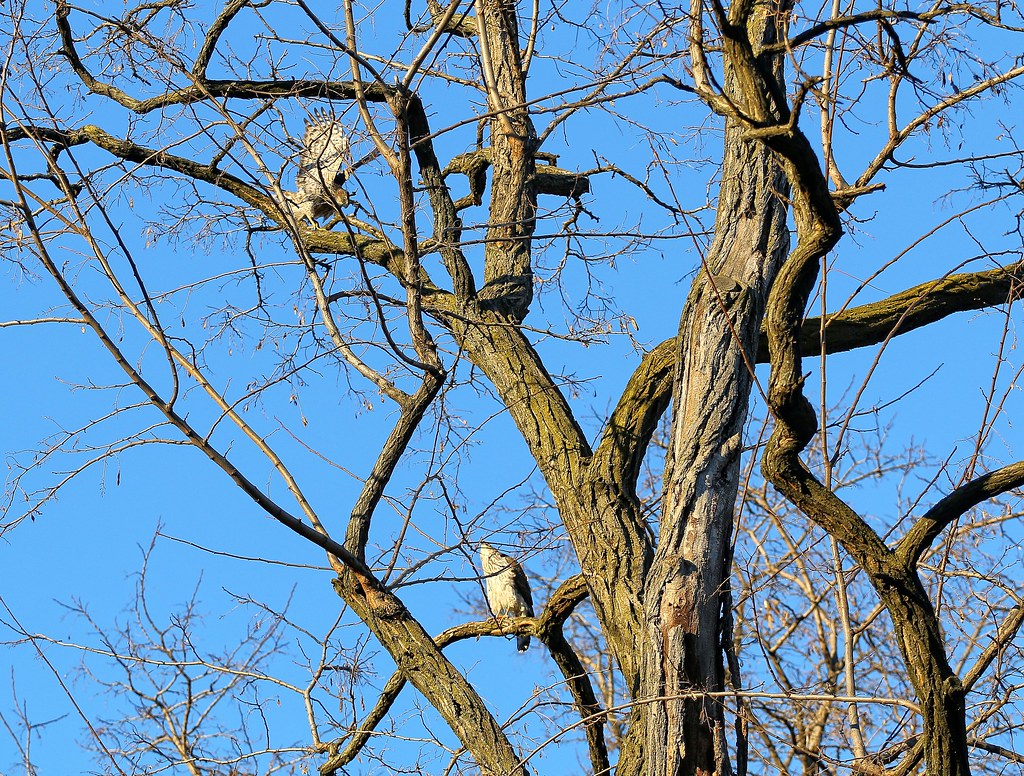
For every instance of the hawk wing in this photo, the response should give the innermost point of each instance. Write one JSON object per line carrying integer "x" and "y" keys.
{"x": 323, "y": 166}
{"x": 522, "y": 586}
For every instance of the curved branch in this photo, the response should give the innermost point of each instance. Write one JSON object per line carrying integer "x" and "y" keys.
{"x": 213, "y": 35}
{"x": 562, "y": 603}
{"x": 635, "y": 417}
{"x": 558, "y": 608}
{"x": 549, "y": 631}
{"x": 916, "y": 625}
{"x": 204, "y": 89}
{"x": 841, "y": 22}
{"x": 928, "y": 527}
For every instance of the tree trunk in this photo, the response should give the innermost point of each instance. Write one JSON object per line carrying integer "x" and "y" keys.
{"x": 684, "y": 733}
{"x": 677, "y": 727}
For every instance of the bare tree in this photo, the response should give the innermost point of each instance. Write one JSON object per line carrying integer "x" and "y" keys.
{"x": 408, "y": 279}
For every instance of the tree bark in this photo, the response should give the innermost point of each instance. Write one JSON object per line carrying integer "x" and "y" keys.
{"x": 508, "y": 269}
{"x": 716, "y": 349}
{"x": 676, "y": 727}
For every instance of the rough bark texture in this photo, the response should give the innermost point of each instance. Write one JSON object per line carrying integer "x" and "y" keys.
{"x": 508, "y": 273}
{"x": 683, "y": 731}
{"x": 715, "y": 353}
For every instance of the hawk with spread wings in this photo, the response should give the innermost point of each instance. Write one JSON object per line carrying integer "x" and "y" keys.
{"x": 323, "y": 169}
{"x": 508, "y": 590}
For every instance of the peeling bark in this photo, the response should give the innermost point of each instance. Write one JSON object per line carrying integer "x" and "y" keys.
{"x": 716, "y": 348}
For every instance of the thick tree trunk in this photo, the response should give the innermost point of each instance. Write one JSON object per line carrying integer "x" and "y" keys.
{"x": 678, "y": 725}
{"x": 682, "y": 731}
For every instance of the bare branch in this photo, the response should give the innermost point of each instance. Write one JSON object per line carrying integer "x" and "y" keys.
{"x": 933, "y": 522}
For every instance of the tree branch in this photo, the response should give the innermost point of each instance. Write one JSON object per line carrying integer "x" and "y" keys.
{"x": 635, "y": 418}
{"x": 412, "y": 413}
{"x": 203, "y": 89}
{"x": 907, "y": 310}
{"x": 424, "y": 665}
{"x": 558, "y": 608}
{"x": 447, "y": 226}
{"x": 377, "y": 251}
{"x": 549, "y": 631}
{"x": 841, "y": 22}
{"x": 928, "y": 527}
{"x": 213, "y": 36}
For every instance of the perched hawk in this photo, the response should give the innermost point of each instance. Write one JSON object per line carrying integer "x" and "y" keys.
{"x": 508, "y": 590}
{"x": 323, "y": 169}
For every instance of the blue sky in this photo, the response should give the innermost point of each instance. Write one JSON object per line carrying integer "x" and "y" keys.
{"x": 87, "y": 544}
